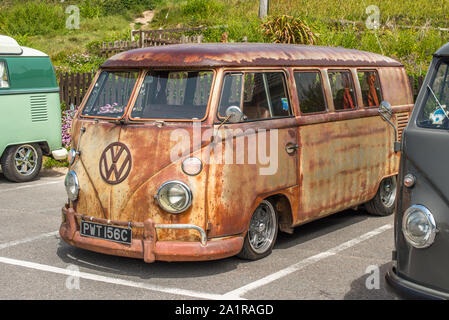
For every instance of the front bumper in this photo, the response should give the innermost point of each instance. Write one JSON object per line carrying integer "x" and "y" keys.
{"x": 149, "y": 248}
{"x": 411, "y": 290}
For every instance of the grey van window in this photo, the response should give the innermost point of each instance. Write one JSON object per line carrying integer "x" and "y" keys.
{"x": 174, "y": 95}
{"x": 310, "y": 92}
{"x": 431, "y": 115}
{"x": 264, "y": 95}
{"x": 342, "y": 90}
{"x": 110, "y": 94}
{"x": 4, "y": 80}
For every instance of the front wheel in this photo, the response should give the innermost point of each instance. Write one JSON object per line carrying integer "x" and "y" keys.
{"x": 22, "y": 163}
{"x": 262, "y": 232}
{"x": 383, "y": 203}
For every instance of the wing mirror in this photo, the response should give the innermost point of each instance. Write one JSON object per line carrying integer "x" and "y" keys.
{"x": 386, "y": 112}
{"x": 234, "y": 114}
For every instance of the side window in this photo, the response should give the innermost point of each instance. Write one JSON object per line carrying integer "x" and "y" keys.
{"x": 264, "y": 95}
{"x": 370, "y": 85}
{"x": 4, "y": 80}
{"x": 342, "y": 90}
{"x": 310, "y": 92}
{"x": 431, "y": 114}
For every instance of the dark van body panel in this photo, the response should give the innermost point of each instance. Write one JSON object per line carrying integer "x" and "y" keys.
{"x": 423, "y": 272}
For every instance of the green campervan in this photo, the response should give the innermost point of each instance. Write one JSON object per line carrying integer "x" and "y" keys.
{"x": 30, "y": 117}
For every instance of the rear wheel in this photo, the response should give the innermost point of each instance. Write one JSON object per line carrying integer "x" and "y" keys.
{"x": 22, "y": 163}
{"x": 383, "y": 203}
{"x": 262, "y": 232}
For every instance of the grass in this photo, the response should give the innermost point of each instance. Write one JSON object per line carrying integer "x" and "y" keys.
{"x": 413, "y": 47}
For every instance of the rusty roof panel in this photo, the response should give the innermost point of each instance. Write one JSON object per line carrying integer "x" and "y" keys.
{"x": 245, "y": 54}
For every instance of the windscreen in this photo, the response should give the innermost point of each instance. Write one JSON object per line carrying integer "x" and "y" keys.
{"x": 173, "y": 95}
{"x": 434, "y": 112}
{"x": 110, "y": 94}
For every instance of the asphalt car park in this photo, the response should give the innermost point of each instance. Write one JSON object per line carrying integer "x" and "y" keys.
{"x": 343, "y": 256}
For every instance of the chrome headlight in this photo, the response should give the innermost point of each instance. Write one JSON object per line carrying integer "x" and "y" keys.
{"x": 72, "y": 186}
{"x": 174, "y": 197}
{"x": 418, "y": 226}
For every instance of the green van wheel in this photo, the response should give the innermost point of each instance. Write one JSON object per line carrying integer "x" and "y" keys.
{"x": 22, "y": 163}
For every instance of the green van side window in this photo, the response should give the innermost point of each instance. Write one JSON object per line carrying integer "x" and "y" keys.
{"x": 4, "y": 79}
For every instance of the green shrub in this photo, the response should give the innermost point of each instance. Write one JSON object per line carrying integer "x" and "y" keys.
{"x": 32, "y": 18}
{"x": 202, "y": 10}
{"x": 288, "y": 29}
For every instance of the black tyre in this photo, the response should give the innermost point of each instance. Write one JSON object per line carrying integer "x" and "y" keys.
{"x": 22, "y": 163}
{"x": 383, "y": 203}
{"x": 262, "y": 232}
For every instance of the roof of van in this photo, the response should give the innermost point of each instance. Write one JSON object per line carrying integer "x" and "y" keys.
{"x": 245, "y": 54}
{"x": 10, "y": 47}
{"x": 443, "y": 51}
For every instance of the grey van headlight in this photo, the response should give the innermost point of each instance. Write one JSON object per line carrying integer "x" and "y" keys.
{"x": 418, "y": 226}
{"x": 72, "y": 186}
{"x": 174, "y": 197}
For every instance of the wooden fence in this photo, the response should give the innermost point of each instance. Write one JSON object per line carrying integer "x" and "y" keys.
{"x": 415, "y": 84}
{"x": 150, "y": 38}
{"x": 73, "y": 87}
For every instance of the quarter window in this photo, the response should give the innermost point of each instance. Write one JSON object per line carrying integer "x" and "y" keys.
{"x": 342, "y": 90}
{"x": 310, "y": 92}
{"x": 264, "y": 95}
{"x": 4, "y": 80}
{"x": 369, "y": 83}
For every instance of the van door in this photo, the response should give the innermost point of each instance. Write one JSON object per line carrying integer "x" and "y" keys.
{"x": 256, "y": 157}
{"x": 426, "y": 137}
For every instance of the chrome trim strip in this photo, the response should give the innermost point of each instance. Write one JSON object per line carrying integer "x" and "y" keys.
{"x": 185, "y": 226}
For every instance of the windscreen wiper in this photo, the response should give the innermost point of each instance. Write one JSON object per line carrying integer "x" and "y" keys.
{"x": 442, "y": 107}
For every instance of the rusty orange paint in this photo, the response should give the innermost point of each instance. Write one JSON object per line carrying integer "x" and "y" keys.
{"x": 341, "y": 160}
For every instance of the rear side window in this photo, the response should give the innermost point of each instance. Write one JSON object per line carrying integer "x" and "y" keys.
{"x": 4, "y": 80}
{"x": 370, "y": 86}
{"x": 264, "y": 95}
{"x": 342, "y": 90}
{"x": 310, "y": 92}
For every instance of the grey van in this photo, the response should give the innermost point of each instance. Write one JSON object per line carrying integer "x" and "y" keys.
{"x": 421, "y": 260}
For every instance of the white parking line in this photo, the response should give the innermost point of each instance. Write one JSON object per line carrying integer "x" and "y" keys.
{"x": 30, "y": 186}
{"x": 234, "y": 294}
{"x": 29, "y": 239}
{"x": 304, "y": 263}
{"x": 116, "y": 281}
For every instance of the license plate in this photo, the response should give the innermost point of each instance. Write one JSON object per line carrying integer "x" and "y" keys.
{"x": 110, "y": 233}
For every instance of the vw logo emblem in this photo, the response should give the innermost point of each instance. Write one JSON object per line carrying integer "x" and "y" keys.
{"x": 115, "y": 163}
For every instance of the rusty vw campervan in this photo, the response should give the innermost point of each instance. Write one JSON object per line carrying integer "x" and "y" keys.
{"x": 199, "y": 152}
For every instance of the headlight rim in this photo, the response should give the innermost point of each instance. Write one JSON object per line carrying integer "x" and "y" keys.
{"x": 185, "y": 187}
{"x": 431, "y": 221}
{"x": 73, "y": 153}
{"x": 72, "y": 197}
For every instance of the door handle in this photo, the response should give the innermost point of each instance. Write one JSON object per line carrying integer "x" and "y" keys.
{"x": 291, "y": 147}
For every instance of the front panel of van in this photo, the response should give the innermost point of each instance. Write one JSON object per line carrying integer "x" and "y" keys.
{"x": 423, "y": 182}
